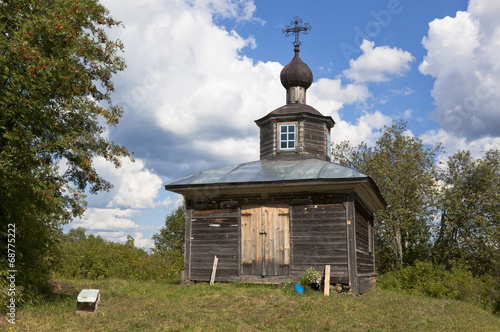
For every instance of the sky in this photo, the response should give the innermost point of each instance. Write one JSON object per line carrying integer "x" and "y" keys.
{"x": 199, "y": 72}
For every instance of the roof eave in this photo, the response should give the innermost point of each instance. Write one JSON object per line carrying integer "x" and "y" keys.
{"x": 365, "y": 188}
{"x": 328, "y": 119}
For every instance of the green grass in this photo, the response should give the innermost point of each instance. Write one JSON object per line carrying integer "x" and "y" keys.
{"x": 129, "y": 305}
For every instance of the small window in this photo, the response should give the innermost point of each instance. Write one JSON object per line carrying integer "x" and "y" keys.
{"x": 370, "y": 238}
{"x": 328, "y": 144}
{"x": 287, "y": 137}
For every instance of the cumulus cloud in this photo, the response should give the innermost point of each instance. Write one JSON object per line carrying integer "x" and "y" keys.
{"x": 241, "y": 10}
{"x": 452, "y": 143}
{"x": 190, "y": 96}
{"x": 186, "y": 80}
{"x": 107, "y": 219}
{"x": 378, "y": 64}
{"x": 329, "y": 95}
{"x": 120, "y": 237}
{"x": 462, "y": 56}
{"x": 366, "y": 129}
{"x": 135, "y": 186}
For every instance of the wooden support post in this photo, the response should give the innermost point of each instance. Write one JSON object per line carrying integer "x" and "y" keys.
{"x": 327, "y": 280}
{"x": 214, "y": 269}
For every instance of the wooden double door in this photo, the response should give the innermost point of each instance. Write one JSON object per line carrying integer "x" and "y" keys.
{"x": 265, "y": 240}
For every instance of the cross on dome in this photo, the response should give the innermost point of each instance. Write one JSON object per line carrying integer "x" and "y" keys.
{"x": 296, "y": 29}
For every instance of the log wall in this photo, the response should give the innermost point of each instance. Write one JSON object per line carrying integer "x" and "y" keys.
{"x": 319, "y": 238}
{"x": 311, "y": 141}
{"x": 214, "y": 232}
{"x": 365, "y": 263}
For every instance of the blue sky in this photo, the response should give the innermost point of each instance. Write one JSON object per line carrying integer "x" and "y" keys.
{"x": 201, "y": 71}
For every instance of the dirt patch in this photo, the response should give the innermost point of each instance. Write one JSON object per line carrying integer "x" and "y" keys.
{"x": 61, "y": 287}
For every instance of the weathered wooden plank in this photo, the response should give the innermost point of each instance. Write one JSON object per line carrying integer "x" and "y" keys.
{"x": 211, "y": 239}
{"x": 201, "y": 256}
{"x": 227, "y": 265}
{"x": 335, "y": 270}
{"x": 216, "y": 216}
{"x": 332, "y": 216}
{"x": 206, "y": 251}
{"x": 318, "y": 238}
{"x": 215, "y": 229}
{"x": 221, "y": 269}
{"x": 210, "y": 211}
{"x": 320, "y": 260}
{"x": 326, "y": 288}
{"x": 307, "y": 249}
{"x": 320, "y": 228}
{"x": 214, "y": 270}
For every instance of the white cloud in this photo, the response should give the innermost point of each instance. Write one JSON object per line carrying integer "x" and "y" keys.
{"x": 452, "y": 143}
{"x": 135, "y": 190}
{"x": 110, "y": 235}
{"x": 107, "y": 219}
{"x": 378, "y": 64}
{"x": 135, "y": 187}
{"x": 142, "y": 242}
{"x": 235, "y": 149}
{"x": 171, "y": 203}
{"x": 462, "y": 55}
{"x": 241, "y": 10}
{"x": 189, "y": 95}
{"x": 120, "y": 237}
{"x": 188, "y": 74}
{"x": 328, "y": 96}
{"x": 366, "y": 129}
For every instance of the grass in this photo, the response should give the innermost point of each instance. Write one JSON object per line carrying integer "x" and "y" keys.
{"x": 129, "y": 305}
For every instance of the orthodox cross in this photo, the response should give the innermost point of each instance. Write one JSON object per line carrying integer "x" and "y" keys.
{"x": 296, "y": 29}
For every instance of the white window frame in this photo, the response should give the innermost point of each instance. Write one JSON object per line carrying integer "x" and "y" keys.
{"x": 288, "y": 140}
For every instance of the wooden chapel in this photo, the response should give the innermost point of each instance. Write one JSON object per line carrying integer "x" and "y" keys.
{"x": 268, "y": 220}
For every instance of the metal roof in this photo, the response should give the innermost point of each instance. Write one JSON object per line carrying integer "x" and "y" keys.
{"x": 270, "y": 171}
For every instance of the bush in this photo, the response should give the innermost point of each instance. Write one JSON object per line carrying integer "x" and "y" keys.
{"x": 426, "y": 279}
{"x": 92, "y": 257}
{"x": 310, "y": 278}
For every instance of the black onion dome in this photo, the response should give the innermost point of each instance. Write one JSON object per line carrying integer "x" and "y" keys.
{"x": 296, "y": 73}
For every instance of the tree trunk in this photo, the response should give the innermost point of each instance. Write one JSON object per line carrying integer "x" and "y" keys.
{"x": 399, "y": 247}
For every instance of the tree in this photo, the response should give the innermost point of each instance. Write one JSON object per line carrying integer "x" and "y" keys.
{"x": 170, "y": 241}
{"x": 469, "y": 227}
{"x": 404, "y": 169}
{"x": 171, "y": 236}
{"x": 56, "y": 64}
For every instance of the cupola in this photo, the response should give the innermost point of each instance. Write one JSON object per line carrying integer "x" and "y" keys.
{"x": 295, "y": 130}
{"x": 296, "y": 77}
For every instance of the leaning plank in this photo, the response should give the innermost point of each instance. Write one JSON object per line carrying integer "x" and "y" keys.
{"x": 327, "y": 280}
{"x": 214, "y": 269}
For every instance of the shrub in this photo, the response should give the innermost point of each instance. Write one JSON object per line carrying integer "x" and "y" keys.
{"x": 426, "y": 279}
{"x": 92, "y": 257}
{"x": 310, "y": 278}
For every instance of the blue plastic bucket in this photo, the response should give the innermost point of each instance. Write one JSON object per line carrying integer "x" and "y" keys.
{"x": 298, "y": 288}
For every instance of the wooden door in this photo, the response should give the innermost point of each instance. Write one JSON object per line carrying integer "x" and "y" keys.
{"x": 265, "y": 240}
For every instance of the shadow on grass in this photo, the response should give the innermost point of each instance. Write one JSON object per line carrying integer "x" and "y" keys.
{"x": 59, "y": 291}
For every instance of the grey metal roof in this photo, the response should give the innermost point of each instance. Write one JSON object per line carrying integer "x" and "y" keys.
{"x": 270, "y": 171}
